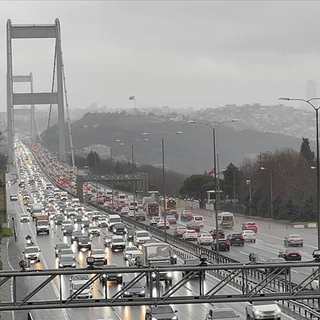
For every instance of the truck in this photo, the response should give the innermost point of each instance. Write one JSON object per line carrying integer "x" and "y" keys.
{"x": 36, "y": 210}
{"x": 152, "y": 209}
{"x": 42, "y": 224}
{"x": 159, "y": 256}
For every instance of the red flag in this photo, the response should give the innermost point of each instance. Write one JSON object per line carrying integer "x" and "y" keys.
{"x": 211, "y": 172}
{"x": 131, "y": 97}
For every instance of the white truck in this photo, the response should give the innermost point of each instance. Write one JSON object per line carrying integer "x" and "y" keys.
{"x": 42, "y": 224}
{"x": 158, "y": 255}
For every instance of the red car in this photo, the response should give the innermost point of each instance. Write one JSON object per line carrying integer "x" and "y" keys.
{"x": 250, "y": 226}
{"x": 222, "y": 234}
{"x": 179, "y": 231}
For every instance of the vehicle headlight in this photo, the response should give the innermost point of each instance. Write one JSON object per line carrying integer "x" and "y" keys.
{"x": 169, "y": 274}
{"x": 74, "y": 264}
{"x": 119, "y": 275}
{"x": 127, "y": 293}
{"x": 174, "y": 256}
{"x": 257, "y": 312}
{"x": 153, "y": 275}
{"x": 174, "y": 318}
{"x": 60, "y": 265}
{"x": 142, "y": 292}
{"x": 114, "y": 230}
{"x": 104, "y": 276}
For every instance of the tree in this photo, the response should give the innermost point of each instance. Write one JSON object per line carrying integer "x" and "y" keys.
{"x": 291, "y": 211}
{"x": 193, "y": 187}
{"x": 305, "y": 150}
{"x": 94, "y": 161}
{"x": 307, "y": 213}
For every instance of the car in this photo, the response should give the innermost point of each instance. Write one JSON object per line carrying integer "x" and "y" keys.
{"x": 274, "y": 269}
{"x": 110, "y": 276}
{"x": 293, "y": 240}
{"x": 66, "y": 261}
{"x": 68, "y": 230}
{"x": 186, "y": 215}
{"x": 102, "y": 222}
{"x": 85, "y": 293}
{"x": 58, "y": 218}
{"x": 136, "y": 290}
{"x": 77, "y": 218}
{"x": 134, "y": 257}
{"x": 153, "y": 222}
{"x": 290, "y": 254}
{"x": 76, "y": 234}
{"x": 223, "y": 244}
{"x": 79, "y": 278}
{"x": 65, "y": 223}
{"x": 128, "y": 250}
{"x": 171, "y": 219}
{"x": 204, "y": 238}
{"x": 59, "y": 246}
{"x": 263, "y": 310}
{"x": 32, "y": 253}
{"x": 190, "y": 235}
{"x": 191, "y": 263}
{"x": 119, "y": 228}
{"x": 194, "y": 226}
{"x": 221, "y": 313}
{"x": 140, "y": 237}
{"x": 85, "y": 224}
{"x": 179, "y": 231}
{"x": 249, "y": 235}
{"x": 236, "y": 239}
{"x": 99, "y": 256}
{"x": 107, "y": 239}
{"x": 221, "y": 232}
{"x": 117, "y": 243}
{"x": 84, "y": 242}
{"x": 93, "y": 230}
{"x": 66, "y": 252}
{"x": 162, "y": 224}
{"x": 173, "y": 213}
{"x": 160, "y": 312}
{"x": 251, "y": 225}
{"x": 13, "y": 197}
{"x": 24, "y": 218}
{"x": 140, "y": 215}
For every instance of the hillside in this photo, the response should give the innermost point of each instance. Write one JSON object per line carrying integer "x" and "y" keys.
{"x": 189, "y": 152}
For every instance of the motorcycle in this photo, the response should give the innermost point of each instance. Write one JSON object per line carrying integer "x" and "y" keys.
{"x": 29, "y": 240}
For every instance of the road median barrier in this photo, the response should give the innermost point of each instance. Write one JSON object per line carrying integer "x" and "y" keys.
{"x": 312, "y": 225}
{"x": 298, "y": 226}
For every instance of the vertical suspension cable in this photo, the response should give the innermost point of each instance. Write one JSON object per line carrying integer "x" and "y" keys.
{"x": 52, "y": 88}
{"x": 68, "y": 116}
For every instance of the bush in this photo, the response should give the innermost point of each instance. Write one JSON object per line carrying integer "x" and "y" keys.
{"x": 6, "y": 232}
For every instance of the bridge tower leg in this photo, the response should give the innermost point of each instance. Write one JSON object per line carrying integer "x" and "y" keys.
{"x": 34, "y": 32}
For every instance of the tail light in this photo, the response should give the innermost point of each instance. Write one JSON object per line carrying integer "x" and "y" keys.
{"x": 233, "y": 238}
{"x": 228, "y": 243}
{"x": 287, "y": 254}
{"x": 242, "y": 238}
{"x": 299, "y": 254}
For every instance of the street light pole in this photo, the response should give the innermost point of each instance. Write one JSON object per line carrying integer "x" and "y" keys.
{"x": 111, "y": 172}
{"x": 163, "y": 136}
{"x": 318, "y": 156}
{"x": 234, "y": 191}
{"x": 213, "y": 128}
{"x": 271, "y": 191}
{"x": 133, "y": 186}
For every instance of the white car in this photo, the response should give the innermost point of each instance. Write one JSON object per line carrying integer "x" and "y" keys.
{"x": 32, "y": 253}
{"x": 24, "y": 218}
{"x": 140, "y": 237}
{"x": 128, "y": 251}
{"x": 204, "y": 238}
{"x": 263, "y": 310}
{"x": 161, "y": 224}
{"x": 249, "y": 235}
{"x": 84, "y": 294}
{"x": 99, "y": 256}
{"x": 190, "y": 235}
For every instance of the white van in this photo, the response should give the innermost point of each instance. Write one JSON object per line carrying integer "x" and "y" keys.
{"x": 133, "y": 205}
{"x": 113, "y": 219}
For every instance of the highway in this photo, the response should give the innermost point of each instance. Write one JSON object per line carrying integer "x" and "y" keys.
{"x": 48, "y": 260}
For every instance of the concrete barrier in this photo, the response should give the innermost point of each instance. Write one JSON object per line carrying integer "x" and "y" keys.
{"x": 312, "y": 225}
{"x": 298, "y": 226}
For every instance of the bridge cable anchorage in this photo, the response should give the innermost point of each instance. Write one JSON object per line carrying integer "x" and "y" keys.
{"x": 52, "y": 86}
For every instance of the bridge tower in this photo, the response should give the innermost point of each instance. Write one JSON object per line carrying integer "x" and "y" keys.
{"x": 13, "y": 99}
{"x": 31, "y": 111}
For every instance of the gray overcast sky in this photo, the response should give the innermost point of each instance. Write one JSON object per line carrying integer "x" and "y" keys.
{"x": 174, "y": 53}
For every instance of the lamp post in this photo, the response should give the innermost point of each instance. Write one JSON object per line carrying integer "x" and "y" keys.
{"x": 316, "y": 109}
{"x": 213, "y": 125}
{"x": 271, "y": 191}
{"x": 133, "y": 143}
{"x": 163, "y": 136}
{"x": 111, "y": 172}
{"x": 248, "y": 182}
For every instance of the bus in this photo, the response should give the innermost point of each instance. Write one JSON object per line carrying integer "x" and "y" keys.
{"x": 226, "y": 219}
{"x": 171, "y": 204}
